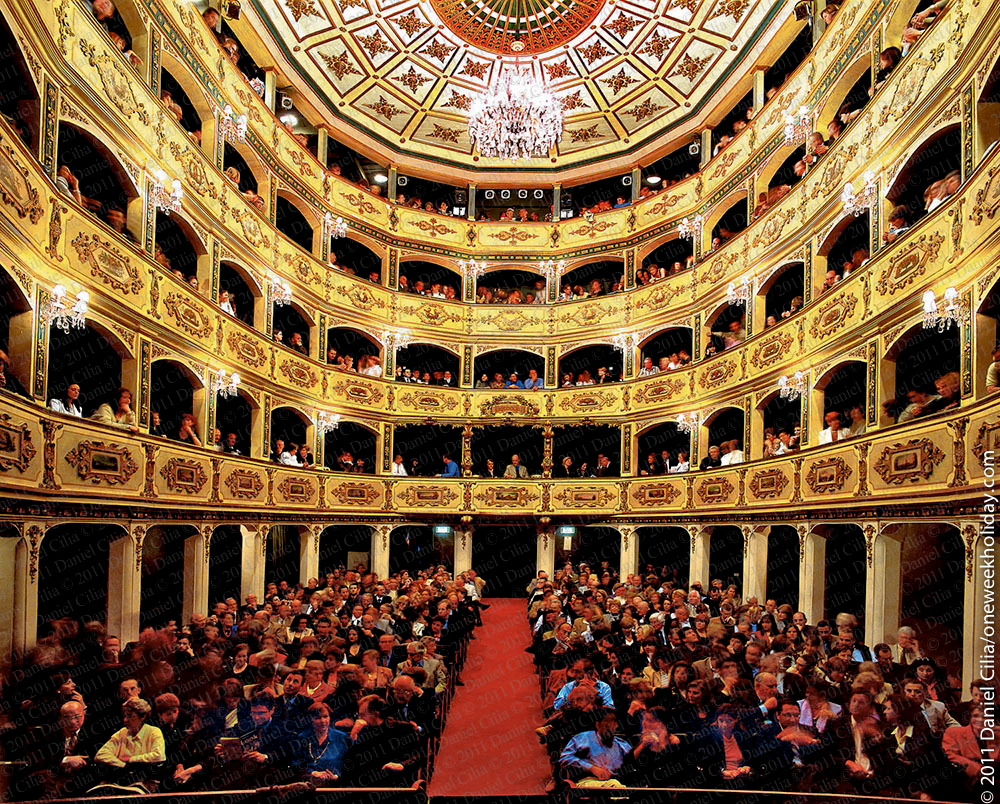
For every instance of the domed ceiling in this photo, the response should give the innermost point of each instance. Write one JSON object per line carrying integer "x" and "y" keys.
{"x": 398, "y": 76}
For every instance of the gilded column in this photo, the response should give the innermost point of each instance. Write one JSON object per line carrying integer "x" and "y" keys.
{"x": 629, "y": 560}
{"x": 309, "y": 552}
{"x": 125, "y": 583}
{"x": 380, "y": 550}
{"x": 547, "y": 437}
{"x": 701, "y": 540}
{"x": 812, "y": 573}
{"x": 196, "y": 557}
{"x": 254, "y": 556}
{"x": 755, "y": 561}
{"x": 466, "y": 450}
{"x": 883, "y": 565}
{"x": 545, "y": 551}
{"x": 463, "y": 546}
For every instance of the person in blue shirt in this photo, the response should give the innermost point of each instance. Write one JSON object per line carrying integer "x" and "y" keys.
{"x": 534, "y": 382}
{"x": 583, "y": 673}
{"x": 324, "y": 747}
{"x": 595, "y": 757}
{"x": 514, "y": 382}
{"x": 450, "y": 467}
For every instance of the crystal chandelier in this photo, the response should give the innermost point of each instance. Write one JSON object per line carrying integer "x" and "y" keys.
{"x": 281, "y": 292}
{"x": 798, "y": 126}
{"x": 792, "y": 388}
{"x": 227, "y": 387}
{"x": 740, "y": 294}
{"x": 233, "y": 126}
{"x": 954, "y": 311}
{"x": 691, "y": 229}
{"x": 623, "y": 341}
{"x": 552, "y": 269}
{"x": 687, "y": 422}
{"x": 164, "y": 199}
{"x": 472, "y": 269}
{"x": 517, "y": 117}
{"x": 336, "y": 227}
{"x": 397, "y": 340}
{"x": 61, "y": 317}
{"x": 856, "y": 204}
{"x": 326, "y": 422}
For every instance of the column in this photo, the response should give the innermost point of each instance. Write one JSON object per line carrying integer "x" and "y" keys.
{"x": 470, "y": 210}
{"x": 20, "y": 595}
{"x": 322, "y": 145}
{"x": 270, "y": 88}
{"x": 636, "y": 183}
{"x": 812, "y": 573}
{"x": 759, "y": 90}
{"x": 706, "y": 146}
{"x": 196, "y": 556}
{"x": 466, "y": 450}
{"x": 380, "y": 551}
{"x": 545, "y": 552}
{"x": 629, "y": 561}
{"x": 882, "y": 584}
{"x": 818, "y": 25}
{"x": 974, "y": 634}
{"x": 755, "y": 561}
{"x": 556, "y": 204}
{"x": 701, "y": 540}
{"x": 463, "y": 546}
{"x": 253, "y": 558}
{"x": 392, "y": 190}
{"x": 309, "y": 552}
{"x": 125, "y": 584}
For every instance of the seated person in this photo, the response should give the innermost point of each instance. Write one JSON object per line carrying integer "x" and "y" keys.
{"x": 67, "y": 403}
{"x": 135, "y": 749}
{"x": 383, "y": 753}
{"x": 120, "y": 415}
{"x": 595, "y": 758}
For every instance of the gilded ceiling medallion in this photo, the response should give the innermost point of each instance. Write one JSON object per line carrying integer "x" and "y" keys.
{"x": 540, "y": 24}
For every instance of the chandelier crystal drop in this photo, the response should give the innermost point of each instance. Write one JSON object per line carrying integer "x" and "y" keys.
{"x": 62, "y": 317}
{"x": 798, "y": 126}
{"x": 954, "y": 311}
{"x": 742, "y": 293}
{"x": 687, "y": 422}
{"x": 337, "y": 227}
{"x": 552, "y": 269}
{"x": 855, "y": 203}
{"x": 166, "y": 200}
{"x": 472, "y": 269}
{"x": 623, "y": 341}
{"x": 234, "y": 127}
{"x": 792, "y": 388}
{"x": 227, "y": 387}
{"x": 281, "y": 292}
{"x": 326, "y": 422}
{"x": 690, "y": 229}
{"x": 517, "y": 117}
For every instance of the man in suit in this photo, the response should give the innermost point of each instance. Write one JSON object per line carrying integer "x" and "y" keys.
{"x": 437, "y": 678}
{"x": 906, "y": 650}
{"x": 63, "y": 758}
{"x": 891, "y": 672}
{"x": 604, "y": 467}
{"x": 383, "y": 753}
{"x": 935, "y": 713}
{"x": 389, "y": 653}
{"x": 515, "y": 469}
{"x": 413, "y": 705}
{"x": 867, "y": 755}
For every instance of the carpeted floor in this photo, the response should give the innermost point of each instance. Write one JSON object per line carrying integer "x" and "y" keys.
{"x": 489, "y": 746}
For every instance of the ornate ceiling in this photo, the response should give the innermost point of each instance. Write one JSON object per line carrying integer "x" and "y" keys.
{"x": 398, "y": 76}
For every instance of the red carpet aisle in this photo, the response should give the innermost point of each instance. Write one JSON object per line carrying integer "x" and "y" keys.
{"x": 489, "y": 746}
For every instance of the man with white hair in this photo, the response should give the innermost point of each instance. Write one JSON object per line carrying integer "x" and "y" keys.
{"x": 906, "y": 650}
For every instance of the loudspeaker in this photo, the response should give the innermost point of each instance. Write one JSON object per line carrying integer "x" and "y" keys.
{"x": 489, "y": 195}
{"x": 402, "y": 181}
{"x": 460, "y": 196}
{"x": 626, "y": 181}
{"x": 539, "y": 195}
{"x": 522, "y": 193}
{"x": 284, "y": 101}
{"x": 505, "y": 195}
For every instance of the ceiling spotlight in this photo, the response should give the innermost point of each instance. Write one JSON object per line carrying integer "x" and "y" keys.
{"x": 381, "y": 178}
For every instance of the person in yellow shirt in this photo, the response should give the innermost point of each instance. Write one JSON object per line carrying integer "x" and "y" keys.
{"x": 135, "y": 750}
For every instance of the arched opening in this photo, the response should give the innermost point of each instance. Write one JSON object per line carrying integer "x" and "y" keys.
{"x": 594, "y": 450}
{"x": 843, "y": 391}
{"x": 234, "y": 416}
{"x": 932, "y": 572}
{"x": 16, "y": 336}
{"x": 178, "y": 250}
{"x": 987, "y": 325}
{"x": 600, "y": 195}
{"x": 783, "y": 565}
{"x": 780, "y": 415}
{"x": 724, "y": 426}
{"x": 726, "y": 329}
{"x": 733, "y": 221}
{"x": 506, "y": 555}
{"x": 293, "y": 224}
{"x": 782, "y": 67}
{"x": 420, "y": 548}
{"x": 729, "y": 127}
{"x": 594, "y": 279}
{"x": 242, "y": 294}
{"x": 172, "y": 392}
{"x": 19, "y": 102}
{"x": 225, "y": 563}
{"x": 163, "y": 581}
{"x": 494, "y": 447}
{"x": 667, "y": 259}
{"x": 662, "y": 448}
{"x": 598, "y": 547}
{"x": 493, "y": 369}
{"x": 73, "y": 578}
{"x": 668, "y": 349}
{"x": 350, "y": 448}
{"x": 291, "y": 326}
{"x": 238, "y": 171}
{"x": 784, "y": 293}
{"x": 344, "y": 547}
{"x": 921, "y": 365}
{"x": 423, "y": 447}
{"x": 789, "y": 173}
{"x": 291, "y": 426}
{"x": 239, "y": 55}
{"x": 665, "y": 552}
{"x": 511, "y": 286}
{"x": 725, "y": 557}
{"x": 988, "y": 113}
{"x": 179, "y": 105}
{"x": 343, "y": 343}
{"x": 428, "y": 279}
{"x": 857, "y": 96}
{"x": 437, "y": 366}
{"x": 846, "y": 565}
{"x": 594, "y": 364}
{"x": 281, "y": 556}
{"x": 363, "y": 262}
{"x": 931, "y": 175}
{"x": 845, "y": 249}
{"x": 104, "y": 187}
{"x": 88, "y": 358}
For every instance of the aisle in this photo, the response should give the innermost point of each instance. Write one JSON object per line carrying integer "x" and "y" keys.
{"x": 489, "y": 746}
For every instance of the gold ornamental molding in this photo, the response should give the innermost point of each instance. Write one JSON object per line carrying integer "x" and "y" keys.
{"x": 828, "y": 476}
{"x": 715, "y": 490}
{"x": 15, "y": 191}
{"x": 16, "y": 449}
{"x": 506, "y": 497}
{"x": 362, "y": 494}
{"x": 988, "y": 438}
{"x": 428, "y": 496}
{"x": 116, "y": 81}
{"x": 718, "y": 373}
{"x": 184, "y": 475}
{"x": 769, "y": 350}
{"x": 987, "y": 198}
{"x": 248, "y": 350}
{"x": 430, "y": 314}
{"x": 187, "y": 315}
{"x": 584, "y": 496}
{"x": 587, "y": 402}
{"x": 102, "y": 463}
{"x": 513, "y": 405}
{"x": 297, "y": 489}
{"x": 655, "y": 494}
{"x": 658, "y": 390}
{"x": 429, "y": 401}
{"x": 768, "y": 484}
{"x": 915, "y": 460}
{"x": 244, "y": 484}
{"x": 833, "y": 315}
{"x": 361, "y": 393}
{"x": 910, "y": 263}
{"x": 361, "y": 297}
{"x": 194, "y": 170}
{"x": 299, "y": 374}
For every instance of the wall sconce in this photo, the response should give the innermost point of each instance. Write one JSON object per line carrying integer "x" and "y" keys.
{"x": 58, "y": 315}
